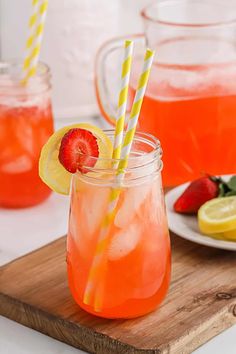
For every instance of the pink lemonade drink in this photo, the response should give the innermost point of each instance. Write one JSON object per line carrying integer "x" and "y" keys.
{"x": 26, "y": 122}
{"x": 134, "y": 275}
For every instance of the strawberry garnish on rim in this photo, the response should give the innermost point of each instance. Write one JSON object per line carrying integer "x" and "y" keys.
{"x": 78, "y": 150}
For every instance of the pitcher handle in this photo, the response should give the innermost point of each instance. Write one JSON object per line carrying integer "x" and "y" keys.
{"x": 108, "y": 110}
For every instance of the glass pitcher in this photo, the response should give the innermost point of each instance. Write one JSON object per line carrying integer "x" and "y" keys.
{"x": 190, "y": 102}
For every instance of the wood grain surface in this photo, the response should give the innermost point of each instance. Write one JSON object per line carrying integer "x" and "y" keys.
{"x": 201, "y": 303}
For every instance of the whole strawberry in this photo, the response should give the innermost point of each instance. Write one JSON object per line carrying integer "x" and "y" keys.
{"x": 197, "y": 193}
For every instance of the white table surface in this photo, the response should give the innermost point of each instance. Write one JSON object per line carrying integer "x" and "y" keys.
{"x": 25, "y": 230}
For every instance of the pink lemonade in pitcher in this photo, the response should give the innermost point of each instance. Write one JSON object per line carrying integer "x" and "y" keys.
{"x": 193, "y": 113}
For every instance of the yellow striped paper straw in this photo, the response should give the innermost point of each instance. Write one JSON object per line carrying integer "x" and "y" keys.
{"x": 123, "y": 96}
{"x": 103, "y": 241}
{"x": 118, "y": 138}
{"x": 100, "y": 249}
{"x": 35, "y": 41}
{"x": 31, "y": 35}
{"x": 135, "y": 111}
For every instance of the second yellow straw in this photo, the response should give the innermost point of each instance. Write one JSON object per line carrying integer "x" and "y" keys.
{"x": 118, "y": 139}
{"x": 103, "y": 241}
{"x": 123, "y": 96}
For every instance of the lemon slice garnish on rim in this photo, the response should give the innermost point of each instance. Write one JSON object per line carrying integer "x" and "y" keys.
{"x": 218, "y": 215}
{"x": 50, "y": 169}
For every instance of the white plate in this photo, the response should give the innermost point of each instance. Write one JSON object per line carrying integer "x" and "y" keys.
{"x": 186, "y": 226}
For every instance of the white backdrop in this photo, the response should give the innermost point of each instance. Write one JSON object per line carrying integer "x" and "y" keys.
{"x": 74, "y": 31}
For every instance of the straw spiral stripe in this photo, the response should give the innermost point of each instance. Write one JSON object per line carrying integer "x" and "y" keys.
{"x": 135, "y": 111}
{"x": 122, "y": 103}
{"x": 132, "y": 123}
{"x": 104, "y": 240}
{"x": 101, "y": 246}
{"x": 32, "y": 25}
{"x": 34, "y": 44}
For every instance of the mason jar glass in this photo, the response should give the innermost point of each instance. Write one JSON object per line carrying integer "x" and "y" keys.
{"x": 26, "y": 122}
{"x": 120, "y": 268}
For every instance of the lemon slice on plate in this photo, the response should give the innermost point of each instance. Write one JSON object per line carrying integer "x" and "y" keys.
{"x": 230, "y": 235}
{"x": 218, "y": 215}
{"x": 226, "y": 236}
{"x": 50, "y": 169}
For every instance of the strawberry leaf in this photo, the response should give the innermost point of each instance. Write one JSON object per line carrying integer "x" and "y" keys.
{"x": 228, "y": 194}
{"x": 232, "y": 184}
{"x": 221, "y": 190}
{"x": 216, "y": 179}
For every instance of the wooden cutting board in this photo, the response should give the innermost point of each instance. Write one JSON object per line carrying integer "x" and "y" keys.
{"x": 201, "y": 303}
